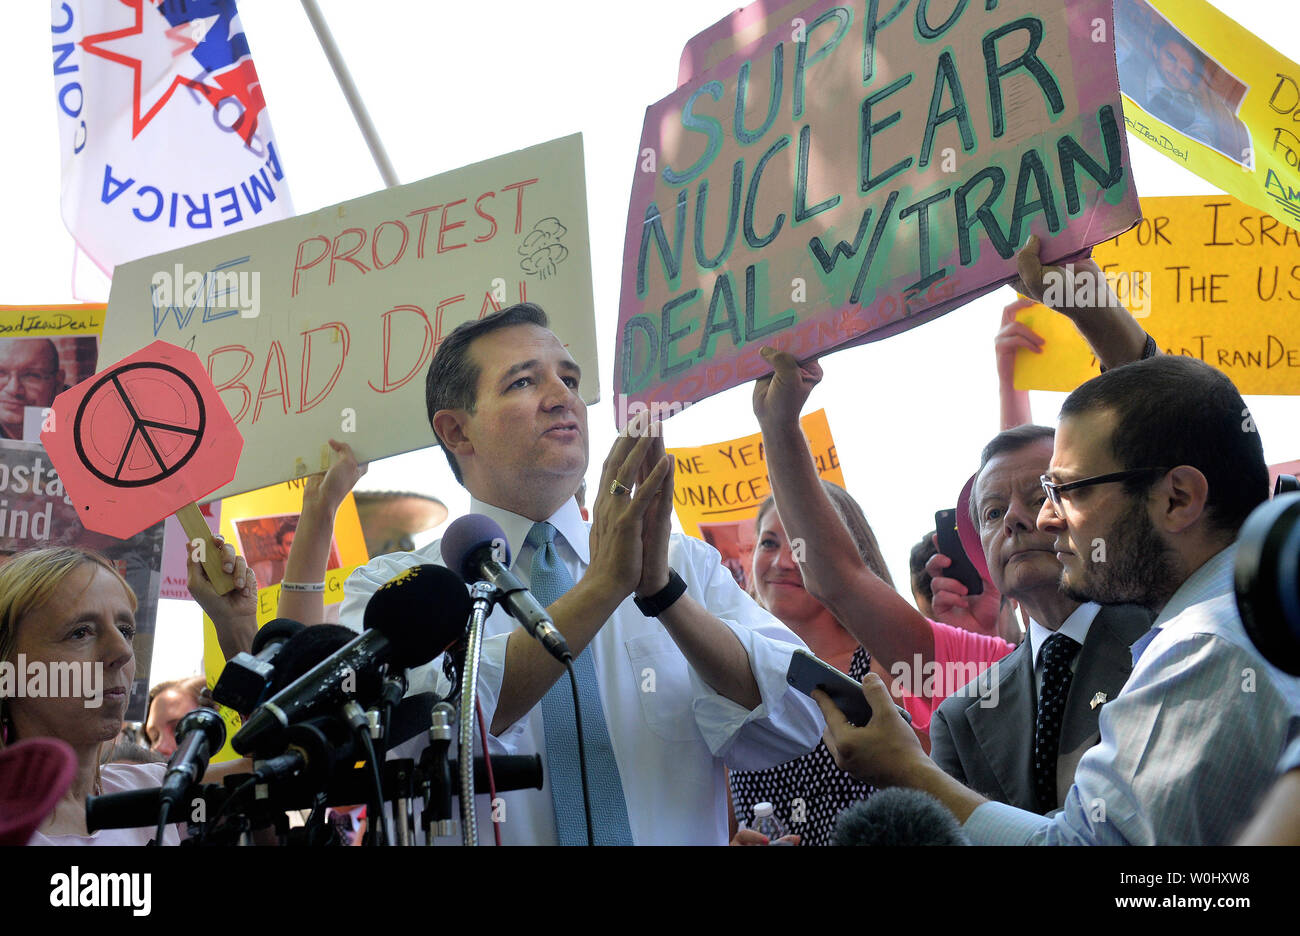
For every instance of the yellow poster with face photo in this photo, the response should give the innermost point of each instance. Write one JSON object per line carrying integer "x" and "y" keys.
{"x": 261, "y": 524}
{"x": 719, "y": 487}
{"x": 44, "y": 350}
{"x": 1213, "y": 97}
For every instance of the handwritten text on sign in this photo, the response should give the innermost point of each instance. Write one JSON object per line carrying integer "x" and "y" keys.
{"x": 1224, "y": 281}
{"x": 323, "y": 325}
{"x": 727, "y": 481}
{"x": 861, "y": 173}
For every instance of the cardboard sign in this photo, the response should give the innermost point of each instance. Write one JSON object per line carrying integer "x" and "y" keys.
{"x": 719, "y": 488}
{"x": 43, "y": 351}
{"x": 857, "y": 174}
{"x": 325, "y": 323}
{"x": 142, "y": 439}
{"x": 1207, "y": 276}
{"x": 1214, "y": 98}
{"x": 36, "y": 512}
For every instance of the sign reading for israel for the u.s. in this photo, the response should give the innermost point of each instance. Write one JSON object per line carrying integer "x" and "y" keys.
{"x": 323, "y": 325}
{"x": 858, "y": 170}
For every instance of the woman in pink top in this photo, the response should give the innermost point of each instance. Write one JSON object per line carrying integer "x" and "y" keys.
{"x": 926, "y": 660}
{"x": 63, "y": 608}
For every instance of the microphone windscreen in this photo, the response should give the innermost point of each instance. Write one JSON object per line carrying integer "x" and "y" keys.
{"x": 898, "y": 816}
{"x": 206, "y": 721}
{"x": 280, "y": 629}
{"x": 304, "y": 650}
{"x": 466, "y": 536}
{"x": 422, "y": 612}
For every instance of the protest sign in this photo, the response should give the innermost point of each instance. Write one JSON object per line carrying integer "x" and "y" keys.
{"x": 141, "y": 439}
{"x": 853, "y": 174}
{"x": 323, "y": 325}
{"x": 261, "y": 524}
{"x": 719, "y": 488}
{"x": 1207, "y": 276}
{"x": 36, "y": 512}
{"x": 43, "y": 351}
{"x": 268, "y": 600}
{"x": 1214, "y": 98}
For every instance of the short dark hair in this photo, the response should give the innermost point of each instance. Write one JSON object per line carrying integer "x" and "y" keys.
{"x": 1173, "y": 410}
{"x": 452, "y": 380}
{"x": 1008, "y": 440}
{"x": 1165, "y": 35}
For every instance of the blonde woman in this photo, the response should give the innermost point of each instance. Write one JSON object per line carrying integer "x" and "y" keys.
{"x": 63, "y": 609}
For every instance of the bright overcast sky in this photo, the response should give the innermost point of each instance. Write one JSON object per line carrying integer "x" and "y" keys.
{"x": 450, "y": 84}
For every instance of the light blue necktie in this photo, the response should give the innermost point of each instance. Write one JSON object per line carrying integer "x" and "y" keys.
{"x": 548, "y": 581}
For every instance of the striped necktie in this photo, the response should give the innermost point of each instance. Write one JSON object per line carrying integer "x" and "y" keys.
{"x": 549, "y": 579}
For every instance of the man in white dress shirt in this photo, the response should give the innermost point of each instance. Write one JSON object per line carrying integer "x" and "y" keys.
{"x": 688, "y": 681}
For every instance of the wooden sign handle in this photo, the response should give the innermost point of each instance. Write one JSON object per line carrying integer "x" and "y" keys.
{"x": 196, "y": 528}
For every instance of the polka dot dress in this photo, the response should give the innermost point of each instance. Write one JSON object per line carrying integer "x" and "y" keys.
{"x": 807, "y": 793}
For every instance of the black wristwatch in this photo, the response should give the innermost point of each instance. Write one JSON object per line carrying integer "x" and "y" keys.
{"x": 656, "y": 604}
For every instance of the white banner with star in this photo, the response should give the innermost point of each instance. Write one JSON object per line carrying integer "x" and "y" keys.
{"x": 163, "y": 130}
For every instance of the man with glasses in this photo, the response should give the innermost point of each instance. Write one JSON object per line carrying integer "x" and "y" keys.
{"x": 1023, "y": 751}
{"x": 29, "y": 376}
{"x": 1155, "y": 467}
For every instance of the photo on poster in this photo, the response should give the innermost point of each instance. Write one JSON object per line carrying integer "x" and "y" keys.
{"x": 1174, "y": 80}
{"x": 265, "y": 542}
{"x": 33, "y": 371}
{"x": 735, "y": 541}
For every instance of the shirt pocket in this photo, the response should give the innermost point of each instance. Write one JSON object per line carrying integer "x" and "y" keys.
{"x": 663, "y": 683}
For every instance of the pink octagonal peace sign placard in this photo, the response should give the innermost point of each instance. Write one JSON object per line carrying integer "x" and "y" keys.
{"x": 142, "y": 439}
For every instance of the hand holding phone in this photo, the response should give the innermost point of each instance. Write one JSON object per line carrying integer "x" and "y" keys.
{"x": 962, "y": 569}
{"x": 807, "y": 673}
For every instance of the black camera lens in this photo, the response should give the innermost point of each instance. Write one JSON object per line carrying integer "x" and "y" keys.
{"x": 1267, "y": 577}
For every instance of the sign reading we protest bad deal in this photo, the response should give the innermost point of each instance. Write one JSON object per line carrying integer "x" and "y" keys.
{"x": 856, "y": 171}
{"x": 323, "y": 325}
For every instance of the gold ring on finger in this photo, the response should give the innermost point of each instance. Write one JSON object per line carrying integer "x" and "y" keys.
{"x": 618, "y": 488}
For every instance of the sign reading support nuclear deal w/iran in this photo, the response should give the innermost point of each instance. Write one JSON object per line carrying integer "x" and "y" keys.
{"x": 323, "y": 325}
{"x": 857, "y": 171}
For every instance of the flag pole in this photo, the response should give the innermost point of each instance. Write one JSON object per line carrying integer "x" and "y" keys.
{"x": 349, "y": 89}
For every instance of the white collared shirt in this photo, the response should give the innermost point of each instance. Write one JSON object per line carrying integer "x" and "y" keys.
{"x": 672, "y": 734}
{"x": 1075, "y": 627}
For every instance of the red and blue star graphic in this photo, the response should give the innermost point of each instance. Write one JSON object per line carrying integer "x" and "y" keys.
{"x": 217, "y": 63}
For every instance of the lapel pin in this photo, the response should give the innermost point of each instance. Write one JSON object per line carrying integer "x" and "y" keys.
{"x": 1097, "y": 700}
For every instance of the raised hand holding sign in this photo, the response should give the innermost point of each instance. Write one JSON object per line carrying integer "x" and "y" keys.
{"x": 144, "y": 438}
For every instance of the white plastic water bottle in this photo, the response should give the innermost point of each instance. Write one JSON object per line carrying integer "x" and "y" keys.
{"x": 766, "y": 823}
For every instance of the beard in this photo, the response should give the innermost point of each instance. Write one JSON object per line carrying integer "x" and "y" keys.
{"x": 1139, "y": 567}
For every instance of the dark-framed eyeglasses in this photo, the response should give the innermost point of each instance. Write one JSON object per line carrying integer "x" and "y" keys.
{"x": 1054, "y": 490}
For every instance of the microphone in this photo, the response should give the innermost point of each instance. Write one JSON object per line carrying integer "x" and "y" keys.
{"x": 898, "y": 816}
{"x": 244, "y": 681}
{"x": 476, "y": 546}
{"x": 396, "y": 633}
{"x": 199, "y": 735}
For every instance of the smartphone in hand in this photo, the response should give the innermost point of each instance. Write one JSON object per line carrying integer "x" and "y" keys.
{"x": 962, "y": 569}
{"x": 807, "y": 673}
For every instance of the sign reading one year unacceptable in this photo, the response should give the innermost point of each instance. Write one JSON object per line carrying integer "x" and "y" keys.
{"x": 857, "y": 172}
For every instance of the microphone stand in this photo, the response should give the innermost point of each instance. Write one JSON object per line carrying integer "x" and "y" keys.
{"x": 484, "y": 595}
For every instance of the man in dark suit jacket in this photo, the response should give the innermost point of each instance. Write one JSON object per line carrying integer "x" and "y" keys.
{"x": 992, "y": 736}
